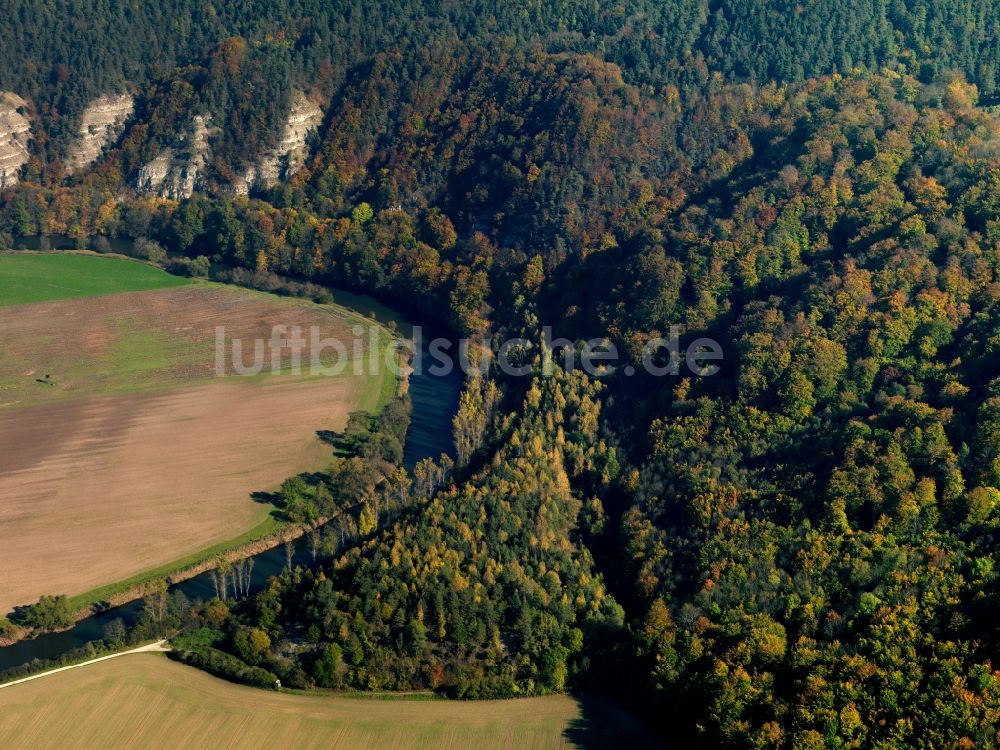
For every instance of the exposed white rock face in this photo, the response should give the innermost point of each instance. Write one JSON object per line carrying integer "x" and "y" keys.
{"x": 154, "y": 174}
{"x": 102, "y": 122}
{"x": 175, "y": 172}
{"x": 15, "y": 133}
{"x": 287, "y": 158}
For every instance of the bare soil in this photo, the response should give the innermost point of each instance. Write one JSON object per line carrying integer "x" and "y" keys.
{"x": 99, "y": 490}
{"x": 96, "y": 488}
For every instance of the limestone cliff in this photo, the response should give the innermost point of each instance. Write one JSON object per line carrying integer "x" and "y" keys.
{"x": 15, "y": 132}
{"x": 285, "y": 159}
{"x": 102, "y": 122}
{"x": 176, "y": 172}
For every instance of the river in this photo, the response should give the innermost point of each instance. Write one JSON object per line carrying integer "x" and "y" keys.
{"x": 435, "y": 401}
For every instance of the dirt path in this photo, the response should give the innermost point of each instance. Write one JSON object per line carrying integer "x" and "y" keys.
{"x": 159, "y": 646}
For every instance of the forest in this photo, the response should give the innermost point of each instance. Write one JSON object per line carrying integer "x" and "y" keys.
{"x": 799, "y": 552}
{"x": 62, "y": 55}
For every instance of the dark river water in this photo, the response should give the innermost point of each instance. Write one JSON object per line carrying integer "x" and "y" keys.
{"x": 435, "y": 401}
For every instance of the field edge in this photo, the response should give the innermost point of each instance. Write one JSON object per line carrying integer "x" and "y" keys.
{"x": 147, "y": 692}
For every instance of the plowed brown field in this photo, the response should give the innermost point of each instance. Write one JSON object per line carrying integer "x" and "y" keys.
{"x": 96, "y": 488}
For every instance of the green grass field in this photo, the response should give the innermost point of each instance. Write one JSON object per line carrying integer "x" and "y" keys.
{"x": 36, "y": 277}
{"x": 146, "y": 700}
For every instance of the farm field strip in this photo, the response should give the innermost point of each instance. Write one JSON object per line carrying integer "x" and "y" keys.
{"x": 99, "y": 490}
{"x": 70, "y": 349}
{"x": 146, "y": 700}
{"x": 38, "y": 277}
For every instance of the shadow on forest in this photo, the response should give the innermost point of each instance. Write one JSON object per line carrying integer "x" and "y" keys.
{"x": 601, "y": 724}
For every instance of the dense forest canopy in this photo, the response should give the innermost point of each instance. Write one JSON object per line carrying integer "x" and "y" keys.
{"x": 62, "y": 55}
{"x": 798, "y": 552}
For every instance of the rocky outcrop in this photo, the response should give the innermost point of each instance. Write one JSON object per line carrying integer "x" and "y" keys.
{"x": 176, "y": 172}
{"x": 102, "y": 123}
{"x": 15, "y": 133}
{"x": 285, "y": 159}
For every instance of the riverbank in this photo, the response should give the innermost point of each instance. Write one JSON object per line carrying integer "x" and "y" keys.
{"x": 270, "y": 534}
{"x": 90, "y": 603}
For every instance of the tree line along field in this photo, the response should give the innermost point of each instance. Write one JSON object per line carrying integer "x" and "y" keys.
{"x": 122, "y": 452}
{"x": 146, "y": 700}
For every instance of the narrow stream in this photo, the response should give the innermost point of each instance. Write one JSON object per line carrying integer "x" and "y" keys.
{"x": 435, "y": 401}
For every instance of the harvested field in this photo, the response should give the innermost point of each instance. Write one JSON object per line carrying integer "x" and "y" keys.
{"x": 122, "y": 451}
{"x": 98, "y": 490}
{"x": 145, "y": 700}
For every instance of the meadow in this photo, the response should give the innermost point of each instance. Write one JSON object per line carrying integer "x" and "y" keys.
{"x": 37, "y": 277}
{"x": 125, "y": 454}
